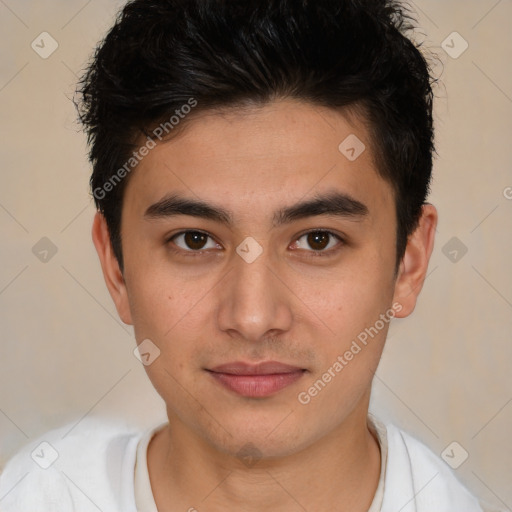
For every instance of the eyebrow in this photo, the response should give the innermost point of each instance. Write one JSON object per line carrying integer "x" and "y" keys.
{"x": 332, "y": 203}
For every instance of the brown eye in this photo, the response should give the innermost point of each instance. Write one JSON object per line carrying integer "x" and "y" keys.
{"x": 193, "y": 241}
{"x": 318, "y": 241}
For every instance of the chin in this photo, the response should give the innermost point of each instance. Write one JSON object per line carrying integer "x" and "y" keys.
{"x": 262, "y": 440}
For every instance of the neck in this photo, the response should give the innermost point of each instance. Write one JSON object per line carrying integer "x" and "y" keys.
{"x": 342, "y": 468}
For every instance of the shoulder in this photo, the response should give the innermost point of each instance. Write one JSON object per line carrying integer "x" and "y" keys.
{"x": 421, "y": 479}
{"x": 76, "y": 467}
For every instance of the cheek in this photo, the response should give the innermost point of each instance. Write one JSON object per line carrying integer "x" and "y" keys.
{"x": 173, "y": 314}
{"x": 357, "y": 310}
{"x": 157, "y": 291}
{"x": 357, "y": 297}
{"x": 166, "y": 316}
{"x": 149, "y": 301}
{"x": 352, "y": 350}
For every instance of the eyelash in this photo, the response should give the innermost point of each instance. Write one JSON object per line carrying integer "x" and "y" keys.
{"x": 313, "y": 253}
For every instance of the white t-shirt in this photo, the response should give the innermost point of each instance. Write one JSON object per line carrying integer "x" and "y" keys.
{"x": 103, "y": 466}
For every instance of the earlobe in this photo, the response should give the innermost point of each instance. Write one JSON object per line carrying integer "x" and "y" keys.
{"x": 111, "y": 271}
{"x": 414, "y": 264}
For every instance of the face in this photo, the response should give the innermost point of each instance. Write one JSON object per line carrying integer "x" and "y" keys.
{"x": 257, "y": 257}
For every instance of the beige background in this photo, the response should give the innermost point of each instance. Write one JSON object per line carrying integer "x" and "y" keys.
{"x": 445, "y": 375}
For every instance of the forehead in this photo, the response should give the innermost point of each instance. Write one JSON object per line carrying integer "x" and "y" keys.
{"x": 252, "y": 157}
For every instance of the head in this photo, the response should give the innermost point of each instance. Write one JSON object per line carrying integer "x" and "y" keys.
{"x": 299, "y": 132}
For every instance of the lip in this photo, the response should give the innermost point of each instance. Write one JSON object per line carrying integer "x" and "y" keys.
{"x": 256, "y": 380}
{"x": 264, "y": 368}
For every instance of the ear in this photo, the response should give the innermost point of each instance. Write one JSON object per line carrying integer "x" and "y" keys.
{"x": 414, "y": 264}
{"x": 110, "y": 266}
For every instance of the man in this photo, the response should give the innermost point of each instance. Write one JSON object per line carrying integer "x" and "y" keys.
{"x": 260, "y": 170}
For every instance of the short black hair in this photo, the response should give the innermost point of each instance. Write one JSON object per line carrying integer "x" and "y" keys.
{"x": 163, "y": 59}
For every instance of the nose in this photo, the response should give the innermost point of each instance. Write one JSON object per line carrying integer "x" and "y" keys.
{"x": 254, "y": 302}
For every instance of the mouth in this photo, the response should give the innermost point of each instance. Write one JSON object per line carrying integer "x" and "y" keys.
{"x": 256, "y": 380}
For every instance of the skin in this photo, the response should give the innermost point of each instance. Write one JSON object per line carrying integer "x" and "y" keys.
{"x": 289, "y": 305}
